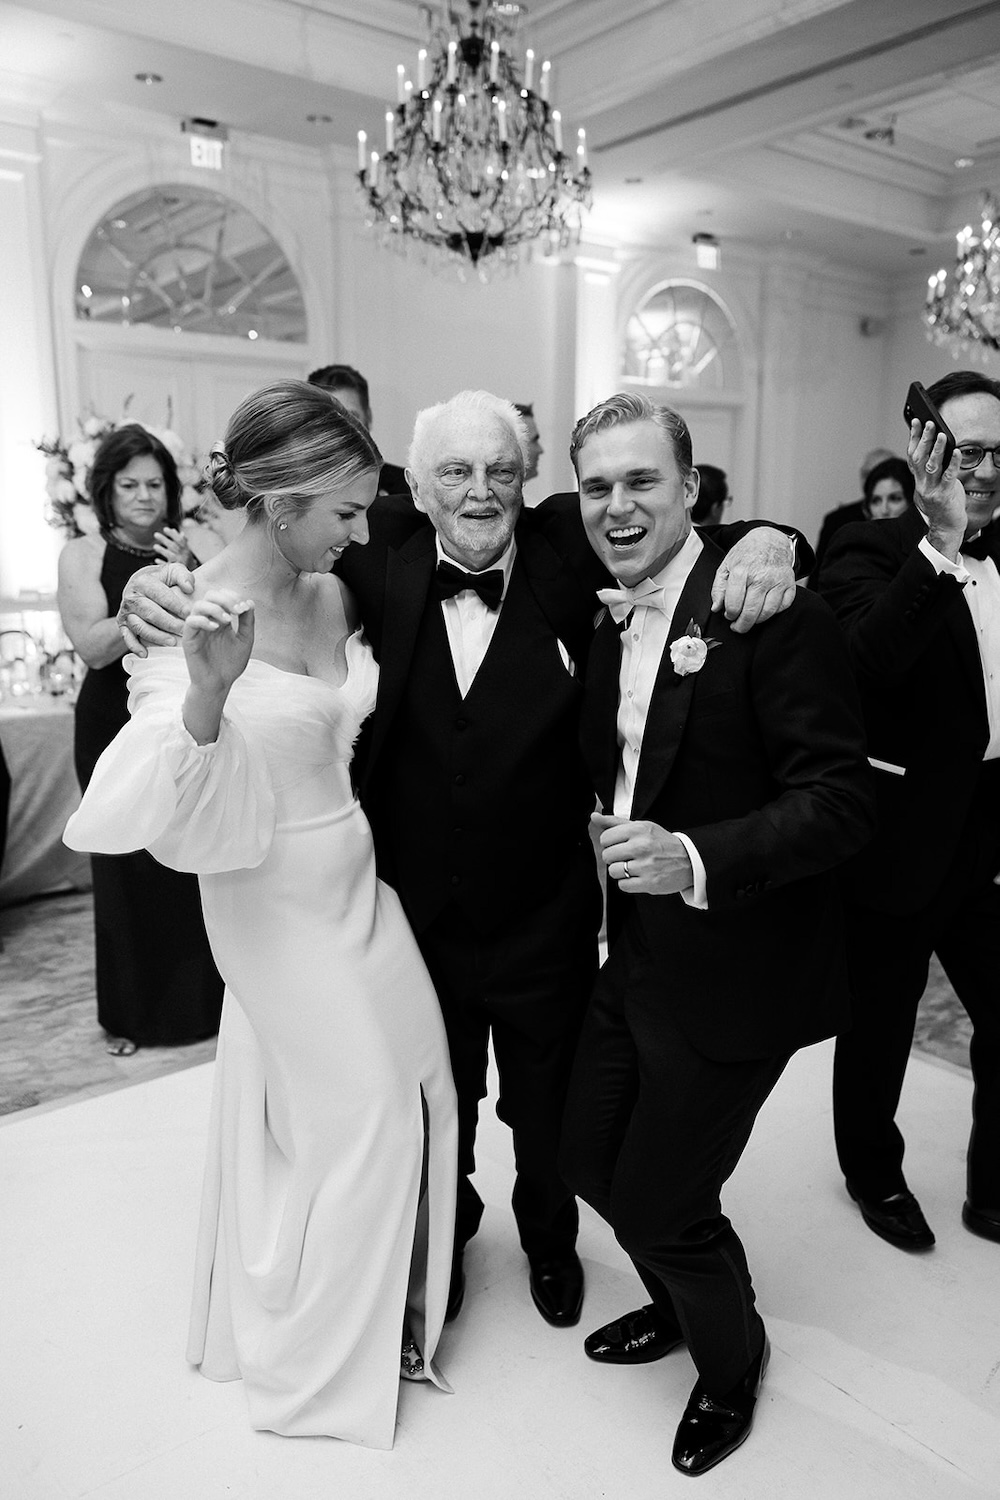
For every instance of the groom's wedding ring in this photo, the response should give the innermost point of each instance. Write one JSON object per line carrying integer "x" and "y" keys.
{"x": 626, "y": 876}
{"x": 931, "y": 468}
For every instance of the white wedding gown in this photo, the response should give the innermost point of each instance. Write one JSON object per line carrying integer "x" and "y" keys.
{"x": 325, "y": 1221}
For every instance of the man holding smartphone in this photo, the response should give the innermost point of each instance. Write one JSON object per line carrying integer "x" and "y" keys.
{"x": 919, "y": 600}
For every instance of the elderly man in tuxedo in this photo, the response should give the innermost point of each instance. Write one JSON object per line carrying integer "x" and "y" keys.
{"x": 481, "y": 612}
{"x": 732, "y": 770}
{"x": 919, "y": 600}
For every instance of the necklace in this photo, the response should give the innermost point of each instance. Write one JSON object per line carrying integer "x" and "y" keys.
{"x": 109, "y": 536}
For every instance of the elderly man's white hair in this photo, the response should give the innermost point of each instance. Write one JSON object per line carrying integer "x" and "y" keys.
{"x": 506, "y": 411}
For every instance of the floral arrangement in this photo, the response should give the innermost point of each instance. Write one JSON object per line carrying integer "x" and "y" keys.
{"x": 67, "y": 471}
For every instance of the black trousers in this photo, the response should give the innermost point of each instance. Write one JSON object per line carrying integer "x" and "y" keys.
{"x": 528, "y": 984}
{"x": 653, "y": 1130}
{"x": 889, "y": 956}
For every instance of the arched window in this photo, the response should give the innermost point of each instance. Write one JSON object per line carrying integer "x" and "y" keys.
{"x": 185, "y": 258}
{"x": 679, "y": 335}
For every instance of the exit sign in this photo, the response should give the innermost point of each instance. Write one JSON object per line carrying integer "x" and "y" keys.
{"x": 206, "y": 153}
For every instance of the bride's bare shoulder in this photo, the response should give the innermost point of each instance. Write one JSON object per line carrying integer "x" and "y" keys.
{"x": 335, "y": 603}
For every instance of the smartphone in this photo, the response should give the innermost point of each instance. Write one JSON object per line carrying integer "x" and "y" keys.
{"x": 920, "y": 406}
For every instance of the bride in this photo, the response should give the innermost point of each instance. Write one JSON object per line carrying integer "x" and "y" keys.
{"x": 328, "y": 1206}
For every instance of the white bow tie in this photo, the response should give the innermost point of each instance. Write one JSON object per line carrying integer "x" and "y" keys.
{"x": 621, "y": 602}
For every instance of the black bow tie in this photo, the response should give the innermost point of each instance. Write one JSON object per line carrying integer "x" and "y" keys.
{"x": 984, "y": 544}
{"x": 449, "y": 581}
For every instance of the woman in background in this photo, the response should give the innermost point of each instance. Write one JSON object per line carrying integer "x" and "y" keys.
{"x": 157, "y": 984}
{"x": 324, "y": 1254}
{"x": 888, "y": 490}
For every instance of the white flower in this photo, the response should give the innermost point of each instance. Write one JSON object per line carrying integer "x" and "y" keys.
{"x": 63, "y": 489}
{"x": 85, "y": 518}
{"x": 95, "y": 427}
{"x": 688, "y": 655}
{"x": 81, "y": 453}
{"x": 688, "y": 652}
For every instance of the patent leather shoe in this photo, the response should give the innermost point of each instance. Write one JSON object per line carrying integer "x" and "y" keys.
{"x": 710, "y": 1429}
{"x": 982, "y": 1221}
{"x": 897, "y": 1219}
{"x": 557, "y": 1289}
{"x": 456, "y": 1290}
{"x": 636, "y": 1338}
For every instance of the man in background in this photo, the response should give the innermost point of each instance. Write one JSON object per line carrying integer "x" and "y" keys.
{"x": 918, "y": 597}
{"x": 535, "y": 449}
{"x": 713, "y": 496}
{"x": 351, "y": 389}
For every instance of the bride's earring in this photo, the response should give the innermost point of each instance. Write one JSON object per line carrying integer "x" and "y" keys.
{"x": 282, "y": 525}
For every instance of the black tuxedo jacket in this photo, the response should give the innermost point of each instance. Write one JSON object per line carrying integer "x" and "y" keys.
{"x": 914, "y": 649}
{"x": 759, "y": 757}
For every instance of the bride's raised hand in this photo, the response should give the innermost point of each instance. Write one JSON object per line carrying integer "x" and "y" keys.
{"x": 217, "y": 639}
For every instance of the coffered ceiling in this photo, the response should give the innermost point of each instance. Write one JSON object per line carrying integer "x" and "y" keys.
{"x": 862, "y": 130}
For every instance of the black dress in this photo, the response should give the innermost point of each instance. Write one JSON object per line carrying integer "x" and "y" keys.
{"x": 157, "y": 983}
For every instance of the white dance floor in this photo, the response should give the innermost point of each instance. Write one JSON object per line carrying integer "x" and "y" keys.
{"x": 884, "y": 1381}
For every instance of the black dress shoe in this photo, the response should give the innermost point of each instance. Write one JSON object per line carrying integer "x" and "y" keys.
{"x": 456, "y": 1291}
{"x": 982, "y": 1221}
{"x": 710, "y": 1430}
{"x": 636, "y": 1338}
{"x": 897, "y": 1219}
{"x": 557, "y": 1289}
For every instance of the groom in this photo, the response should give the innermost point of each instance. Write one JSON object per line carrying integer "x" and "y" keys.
{"x": 733, "y": 775}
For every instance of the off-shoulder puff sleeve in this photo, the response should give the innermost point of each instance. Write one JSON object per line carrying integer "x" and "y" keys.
{"x": 199, "y": 808}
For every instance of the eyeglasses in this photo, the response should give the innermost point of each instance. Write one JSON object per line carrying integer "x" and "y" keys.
{"x": 132, "y": 486}
{"x": 973, "y": 455}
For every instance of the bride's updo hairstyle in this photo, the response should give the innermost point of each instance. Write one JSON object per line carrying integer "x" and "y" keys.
{"x": 286, "y": 445}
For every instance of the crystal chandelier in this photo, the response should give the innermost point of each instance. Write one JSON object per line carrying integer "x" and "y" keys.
{"x": 965, "y": 306}
{"x": 474, "y": 164}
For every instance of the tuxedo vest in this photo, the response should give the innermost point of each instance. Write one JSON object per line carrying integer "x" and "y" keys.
{"x": 482, "y": 803}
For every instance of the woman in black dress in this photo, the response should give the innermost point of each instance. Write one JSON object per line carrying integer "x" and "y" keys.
{"x": 157, "y": 984}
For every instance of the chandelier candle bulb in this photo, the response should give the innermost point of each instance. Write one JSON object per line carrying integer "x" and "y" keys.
{"x": 400, "y": 83}
{"x": 529, "y": 69}
{"x": 557, "y": 129}
{"x": 390, "y": 130}
{"x": 452, "y": 62}
{"x": 362, "y": 150}
{"x": 494, "y": 61}
{"x": 581, "y": 148}
{"x": 373, "y": 169}
{"x": 502, "y": 120}
{"x": 436, "y": 122}
{"x": 546, "y": 75}
{"x": 422, "y": 68}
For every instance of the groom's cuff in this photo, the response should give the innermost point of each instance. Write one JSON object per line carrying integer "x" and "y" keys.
{"x": 696, "y": 894}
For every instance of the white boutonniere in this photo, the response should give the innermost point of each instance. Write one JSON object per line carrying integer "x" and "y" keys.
{"x": 688, "y": 652}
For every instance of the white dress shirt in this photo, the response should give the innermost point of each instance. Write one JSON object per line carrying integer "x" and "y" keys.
{"x": 982, "y": 595}
{"x": 643, "y": 642}
{"x": 469, "y": 622}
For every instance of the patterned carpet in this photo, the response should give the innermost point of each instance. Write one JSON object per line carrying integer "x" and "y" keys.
{"x": 51, "y": 1046}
